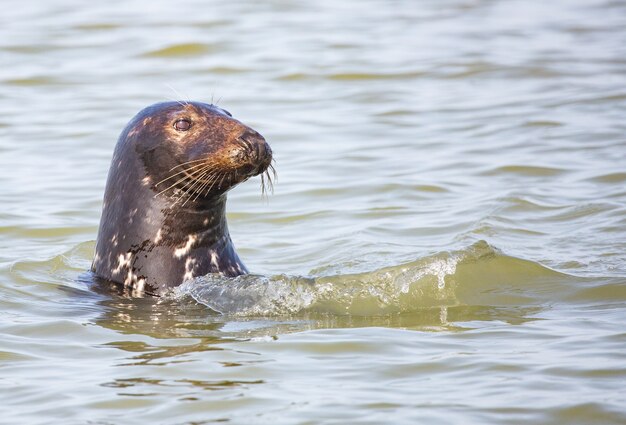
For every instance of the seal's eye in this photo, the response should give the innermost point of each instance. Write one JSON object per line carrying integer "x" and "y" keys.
{"x": 182, "y": 125}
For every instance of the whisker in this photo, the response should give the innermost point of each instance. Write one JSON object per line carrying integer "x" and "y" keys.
{"x": 190, "y": 162}
{"x": 270, "y": 183}
{"x": 177, "y": 94}
{"x": 183, "y": 171}
{"x": 263, "y": 194}
{"x": 182, "y": 179}
{"x": 271, "y": 167}
{"x": 209, "y": 180}
{"x": 173, "y": 99}
{"x": 199, "y": 175}
{"x": 221, "y": 181}
{"x": 182, "y": 102}
{"x": 187, "y": 190}
{"x": 212, "y": 184}
{"x": 197, "y": 181}
{"x": 188, "y": 176}
{"x": 197, "y": 191}
{"x": 202, "y": 179}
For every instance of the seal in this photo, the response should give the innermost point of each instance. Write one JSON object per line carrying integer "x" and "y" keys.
{"x": 163, "y": 215}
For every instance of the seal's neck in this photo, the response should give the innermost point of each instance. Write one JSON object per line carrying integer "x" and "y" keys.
{"x": 149, "y": 240}
{"x": 204, "y": 219}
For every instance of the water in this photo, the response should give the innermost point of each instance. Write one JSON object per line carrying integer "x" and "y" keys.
{"x": 446, "y": 243}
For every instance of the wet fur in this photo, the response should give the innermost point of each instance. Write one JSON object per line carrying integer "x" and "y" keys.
{"x": 163, "y": 218}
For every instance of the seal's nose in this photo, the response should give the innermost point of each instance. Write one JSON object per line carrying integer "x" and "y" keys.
{"x": 259, "y": 150}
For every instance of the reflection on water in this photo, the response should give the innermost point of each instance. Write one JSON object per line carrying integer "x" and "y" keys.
{"x": 446, "y": 243}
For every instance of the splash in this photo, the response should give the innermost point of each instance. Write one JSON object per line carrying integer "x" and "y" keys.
{"x": 438, "y": 281}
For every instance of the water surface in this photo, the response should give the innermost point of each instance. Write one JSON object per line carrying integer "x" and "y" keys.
{"x": 446, "y": 242}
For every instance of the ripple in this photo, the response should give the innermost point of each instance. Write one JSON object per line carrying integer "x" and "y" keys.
{"x": 609, "y": 178}
{"x": 224, "y": 70}
{"x": 138, "y": 383}
{"x": 45, "y": 232}
{"x": 350, "y": 76}
{"x": 583, "y": 210}
{"x": 526, "y": 170}
{"x": 585, "y": 413}
{"x": 543, "y": 123}
{"x": 356, "y": 76}
{"x": 98, "y": 26}
{"x": 32, "y": 49}
{"x": 35, "y": 81}
{"x": 184, "y": 49}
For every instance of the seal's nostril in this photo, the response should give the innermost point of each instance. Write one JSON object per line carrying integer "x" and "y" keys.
{"x": 252, "y": 138}
{"x": 260, "y": 150}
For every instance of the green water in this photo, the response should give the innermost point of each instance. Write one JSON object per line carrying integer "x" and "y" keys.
{"x": 446, "y": 243}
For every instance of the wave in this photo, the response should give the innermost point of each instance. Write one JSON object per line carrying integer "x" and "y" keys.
{"x": 479, "y": 275}
{"x": 474, "y": 280}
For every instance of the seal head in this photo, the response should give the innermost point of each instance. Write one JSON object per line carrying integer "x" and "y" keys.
{"x": 163, "y": 216}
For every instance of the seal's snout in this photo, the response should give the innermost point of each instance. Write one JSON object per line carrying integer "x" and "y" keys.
{"x": 259, "y": 151}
